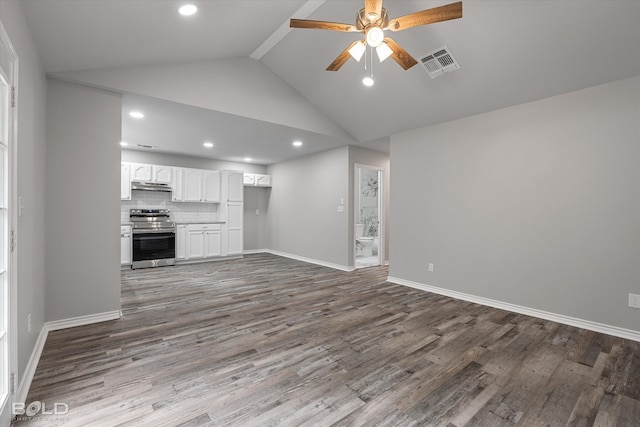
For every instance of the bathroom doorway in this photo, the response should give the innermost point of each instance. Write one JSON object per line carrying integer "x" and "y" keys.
{"x": 368, "y": 210}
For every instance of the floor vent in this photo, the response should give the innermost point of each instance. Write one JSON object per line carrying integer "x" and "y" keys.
{"x": 439, "y": 62}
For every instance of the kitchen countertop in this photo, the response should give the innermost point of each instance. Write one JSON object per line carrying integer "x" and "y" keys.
{"x": 200, "y": 222}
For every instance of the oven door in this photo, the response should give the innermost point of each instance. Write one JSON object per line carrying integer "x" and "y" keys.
{"x": 153, "y": 249}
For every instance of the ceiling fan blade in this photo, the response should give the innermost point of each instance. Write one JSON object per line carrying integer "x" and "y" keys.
{"x": 342, "y": 58}
{"x": 373, "y": 7}
{"x": 322, "y": 25}
{"x": 400, "y": 55}
{"x": 429, "y": 16}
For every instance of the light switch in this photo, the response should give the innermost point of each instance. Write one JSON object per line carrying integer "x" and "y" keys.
{"x": 340, "y": 208}
{"x": 20, "y": 205}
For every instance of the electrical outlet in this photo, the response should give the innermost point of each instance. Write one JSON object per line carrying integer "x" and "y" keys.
{"x": 430, "y": 267}
{"x": 634, "y": 301}
{"x": 29, "y": 323}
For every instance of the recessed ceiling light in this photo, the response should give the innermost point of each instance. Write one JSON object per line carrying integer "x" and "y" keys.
{"x": 367, "y": 81}
{"x": 188, "y": 9}
{"x": 123, "y": 143}
{"x": 208, "y": 144}
{"x": 297, "y": 143}
{"x": 136, "y": 114}
{"x": 247, "y": 159}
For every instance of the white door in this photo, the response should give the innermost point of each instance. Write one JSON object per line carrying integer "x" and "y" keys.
{"x": 8, "y": 61}
{"x": 140, "y": 172}
{"x": 195, "y": 244}
{"x": 235, "y": 187}
{"x": 162, "y": 174}
{"x": 125, "y": 181}
{"x": 192, "y": 185}
{"x": 213, "y": 243}
{"x": 235, "y": 237}
{"x": 212, "y": 186}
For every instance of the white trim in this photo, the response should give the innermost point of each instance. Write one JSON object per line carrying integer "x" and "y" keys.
{"x": 83, "y": 320}
{"x": 311, "y": 260}
{"x": 307, "y": 9}
{"x": 254, "y": 251}
{"x": 30, "y": 370}
{"x": 554, "y": 317}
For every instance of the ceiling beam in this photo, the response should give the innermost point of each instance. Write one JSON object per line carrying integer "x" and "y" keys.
{"x": 307, "y": 9}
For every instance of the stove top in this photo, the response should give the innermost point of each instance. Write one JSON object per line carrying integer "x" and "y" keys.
{"x": 151, "y": 220}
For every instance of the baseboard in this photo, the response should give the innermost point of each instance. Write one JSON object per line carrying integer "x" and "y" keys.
{"x": 311, "y": 260}
{"x": 255, "y": 251}
{"x": 554, "y": 317}
{"x": 83, "y": 320}
{"x": 32, "y": 364}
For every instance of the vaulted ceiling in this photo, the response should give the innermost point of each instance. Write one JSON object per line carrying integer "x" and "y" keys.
{"x": 510, "y": 52}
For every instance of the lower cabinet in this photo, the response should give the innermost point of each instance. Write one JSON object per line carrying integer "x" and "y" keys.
{"x": 125, "y": 245}
{"x": 199, "y": 241}
{"x": 181, "y": 241}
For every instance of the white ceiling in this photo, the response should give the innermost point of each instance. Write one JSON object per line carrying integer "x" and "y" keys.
{"x": 510, "y": 52}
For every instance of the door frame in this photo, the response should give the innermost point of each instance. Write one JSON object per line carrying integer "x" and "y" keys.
{"x": 12, "y": 213}
{"x": 381, "y": 209}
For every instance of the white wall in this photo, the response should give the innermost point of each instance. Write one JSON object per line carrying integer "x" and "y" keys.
{"x": 536, "y": 205}
{"x": 303, "y": 213}
{"x": 82, "y": 199}
{"x": 30, "y": 176}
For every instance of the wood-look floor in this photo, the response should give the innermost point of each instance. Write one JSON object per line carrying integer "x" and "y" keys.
{"x": 271, "y": 341}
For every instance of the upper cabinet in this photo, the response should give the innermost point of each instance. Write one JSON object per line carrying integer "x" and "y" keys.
{"x": 196, "y": 185}
{"x": 235, "y": 189}
{"x": 161, "y": 174}
{"x": 257, "y": 180}
{"x": 125, "y": 181}
{"x": 140, "y": 172}
{"x": 143, "y": 172}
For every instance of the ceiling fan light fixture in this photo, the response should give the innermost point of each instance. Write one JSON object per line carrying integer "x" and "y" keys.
{"x": 375, "y": 35}
{"x": 357, "y": 50}
{"x": 383, "y": 51}
{"x": 368, "y": 81}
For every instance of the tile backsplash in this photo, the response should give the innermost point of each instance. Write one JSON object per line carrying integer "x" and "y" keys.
{"x": 180, "y": 212}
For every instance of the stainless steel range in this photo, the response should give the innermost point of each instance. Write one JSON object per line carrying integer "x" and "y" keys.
{"x": 154, "y": 238}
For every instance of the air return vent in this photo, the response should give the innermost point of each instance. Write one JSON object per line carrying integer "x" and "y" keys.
{"x": 439, "y": 62}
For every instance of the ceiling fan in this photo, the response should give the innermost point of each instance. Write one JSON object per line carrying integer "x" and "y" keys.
{"x": 372, "y": 21}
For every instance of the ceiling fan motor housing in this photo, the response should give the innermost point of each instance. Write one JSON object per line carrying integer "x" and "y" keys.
{"x": 363, "y": 21}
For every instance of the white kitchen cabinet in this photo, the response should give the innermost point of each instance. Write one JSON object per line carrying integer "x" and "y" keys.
{"x": 181, "y": 241}
{"x": 125, "y": 245}
{"x": 195, "y": 244}
{"x": 161, "y": 174}
{"x": 212, "y": 243}
{"x": 140, "y": 172}
{"x": 263, "y": 180}
{"x": 257, "y": 180}
{"x": 249, "y": 179}
{"x": 200, "y": 186}
{"x": 235, "y": 237}
{"x": 211, "y": 190}
{"x": 235, "y": 187}
{"x": 177, "y": 192}
{"x": 193, "y": 185}
{"x": 125, "y": 181}
{"x": 203, "y": 241}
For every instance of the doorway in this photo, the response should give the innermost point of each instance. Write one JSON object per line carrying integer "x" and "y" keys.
{"x": 368, "y": 230}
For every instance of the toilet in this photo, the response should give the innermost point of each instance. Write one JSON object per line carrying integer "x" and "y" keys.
{"x": 364, "y": 245}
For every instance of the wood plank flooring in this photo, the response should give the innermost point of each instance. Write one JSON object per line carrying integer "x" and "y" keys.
{"x": 268, "y": 341}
